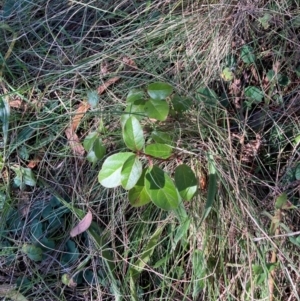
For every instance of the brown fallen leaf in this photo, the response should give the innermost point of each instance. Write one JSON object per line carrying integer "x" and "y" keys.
{"x": 74, "y": 142}
{"x": 83, "y": 225}
{"x": 101, "y": 89}
{"x": 34, "y": 162}
{"x": 82, "y": 109}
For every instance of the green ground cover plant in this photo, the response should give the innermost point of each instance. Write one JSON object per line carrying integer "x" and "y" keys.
{"x": 149, "y": 150}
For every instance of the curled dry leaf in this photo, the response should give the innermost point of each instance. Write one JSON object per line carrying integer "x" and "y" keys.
{"x": 83, "y": 225}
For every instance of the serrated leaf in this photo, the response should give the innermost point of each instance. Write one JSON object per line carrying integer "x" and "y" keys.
{"x": 157, "y": 109}
{"x": 161, "y": 137}
{"x": 131, "y": 172}
{"x": 161, "y": 189}
{"x": 158, "y": 150}
{"x": 185, "y": 181}
{"x": 138, "y": 195}
{"x": 93, "y": 98}
{"x": 181, "y": 104}
{"x": 110, "y": 173}
{"x": 159, "y": 90}
{"x": 247, "y": 54}
{"x": 33, "y": 252}
{"x": 227, "y": 74}
{"x": 254, "y": 94}
{"x": 133, "y": 135}
{"x": 135, "y": 95}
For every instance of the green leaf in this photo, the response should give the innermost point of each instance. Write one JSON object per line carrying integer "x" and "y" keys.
{"x": 185, "y": 181}
{"x": 91, "y": 157}
{"x": 265, "y": 20}
{"x": 158, "y": 150}
{"x": 4, "y": 117}
{"x": 157, "y": 109}
{"x": 89, "y": 141}
{"x": 24, "y": 176}
{"x": 138, "y": 111}
{"x": 271, "y": 75}
{"x": 207, "y": 95}
{"x": 33, "y": 252}
{"x": 8, "y": 292}
{"x": 110, "y": 173}
{"x": 161, "y": 189}
{"x": 281, "y": 201}
{"x": 247, "y": 54}
{"x": 181, "y": 234}
{"x": 227, "y": 74}
{"x": 283, "y": 80}
{"x": 135, "y": 95}
{"x": 133, "y": 135}
{"x": 70, "y": 254}
{"x": 181, "y": 104}
{"x": 212, "y": 188}
{"x": 297, "y": 172}
{"x": 159, "y": 90}
{"x": 99, "y": 148}
{"x": 161, "y": 137}
{"x": 254, "y": 94}
{"x": 131, "y": 172}
{"x": 93, "y": 98}
{"x": 145, "y": 255}
{"x": 138, "y": 195}
{"x": 297, "y": 70}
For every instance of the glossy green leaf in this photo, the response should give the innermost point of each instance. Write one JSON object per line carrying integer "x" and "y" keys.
{"x": 135, "y": 95}
{"x": 93, "y": 98}
{"x": 157, "y": 109}
{"x": 247, "y": 54}
{"x": 158, "y": 150}
{"x": 181, "y": 104}
{"x": 227, "y": 74}
{"x": 254, "y": 94}
{"x": 110, "y": 173}
{"x": 33, "y": 252}
{"x": 133, "y": 135}
{"x": 161, "y": 137}
{"x": 185, "y": 181}
{"x": 161, "y": 189}
{"x": 159, "y": 90}
{"x": 138, "y": 111}
{"x": 131, "y": 172}
{"x": 138, "y": 195}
